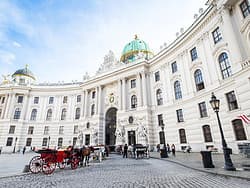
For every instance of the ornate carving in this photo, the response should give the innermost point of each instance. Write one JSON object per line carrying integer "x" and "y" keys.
{"x": 109, "y": 62}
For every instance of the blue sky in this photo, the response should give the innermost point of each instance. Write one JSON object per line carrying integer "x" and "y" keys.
{"x": 60, "y": 39}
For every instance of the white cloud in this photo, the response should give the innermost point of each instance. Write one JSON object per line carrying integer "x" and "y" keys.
{"x": 6, "y": 57}
{"x": 16, "y": 44}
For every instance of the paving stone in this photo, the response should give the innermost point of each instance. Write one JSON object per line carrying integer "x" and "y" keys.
{"x": 125, "y": 173}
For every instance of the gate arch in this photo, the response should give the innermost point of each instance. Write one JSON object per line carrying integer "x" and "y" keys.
{"x": 110, "y": 126}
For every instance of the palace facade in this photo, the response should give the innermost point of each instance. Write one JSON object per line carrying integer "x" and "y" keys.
{"x": 144, "y": 98}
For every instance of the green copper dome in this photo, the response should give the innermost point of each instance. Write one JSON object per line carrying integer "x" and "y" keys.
{"x": 134, "y": 49}
{"x": 24, "y": 72}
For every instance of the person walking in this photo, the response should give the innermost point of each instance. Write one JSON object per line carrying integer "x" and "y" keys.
{"x": 125, "y": 151}
{"x": 168, "y": 148}
{"x": 24, "y": 149}
{"x": 173, "y": 149}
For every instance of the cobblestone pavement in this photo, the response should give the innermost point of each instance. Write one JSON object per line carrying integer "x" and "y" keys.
{"x": 127, "y": 173}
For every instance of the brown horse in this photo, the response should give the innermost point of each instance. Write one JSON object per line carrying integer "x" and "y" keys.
{"x": 84, "y": 155}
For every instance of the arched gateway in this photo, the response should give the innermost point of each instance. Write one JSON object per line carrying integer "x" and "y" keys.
{"x": 110, "y": 126}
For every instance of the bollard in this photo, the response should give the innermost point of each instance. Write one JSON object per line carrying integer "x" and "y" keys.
{"x": 26, "y": 169}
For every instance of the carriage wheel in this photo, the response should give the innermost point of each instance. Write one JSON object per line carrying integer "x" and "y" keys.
{"x": 62, "y": 165}
{"x": 74, "y": 163}
{"x": 35, "y": 165}
{"x": 49, "y": 167}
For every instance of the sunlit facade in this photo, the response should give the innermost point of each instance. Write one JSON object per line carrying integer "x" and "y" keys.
{"x": 133, "y": 99}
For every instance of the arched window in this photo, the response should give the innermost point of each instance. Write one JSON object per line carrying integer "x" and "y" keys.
{"x": 63, "y": 115}
{"x": 133, "y": 101}
{"x": 207, "y": 133}
{"x": 49, "y": 115}
{"x": 159, "y": 97}
{"x": 198, "y": 80}
{"x": 92, "y": 109}
{"x": 33, "y": 114}
{"x": 182, "y": 135}
{"x": 77, "y": 115}
{"x": 225, "y": 65}
{"x": 17, "y": 113}
{"x": 177, "y": 90}
{"x": 239, "y": 130}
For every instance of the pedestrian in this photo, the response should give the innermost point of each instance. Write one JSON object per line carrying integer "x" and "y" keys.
{"x": 125, "y": 151}
{"x": 24, "y": 149}
{"x": 168, "y": 148}
{"x": 158, "y": 147}
{"x": 1, "y": 150}
{"x": 173, "y": 149}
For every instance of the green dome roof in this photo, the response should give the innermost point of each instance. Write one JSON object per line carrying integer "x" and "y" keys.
{"x": 24, "y": 72}
{"x": 133, "y": 48}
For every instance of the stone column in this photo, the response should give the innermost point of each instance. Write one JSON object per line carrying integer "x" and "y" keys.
{"x": 85, "y": 104}
{"x": 229, "y": 35}
{"x": 25, "y": 105}
{"x": 124, "y": 94}
{"x": 10, "y": 106}
{"x": 138, "y": 86}
{"x": 99, "y": 99}
{"x": 120, "y": 94}
{"x": 144, "y": 89}
{"x": 5, "y": 106}
{"x": 153, "y": 94}
{"x": 96, "y": 100}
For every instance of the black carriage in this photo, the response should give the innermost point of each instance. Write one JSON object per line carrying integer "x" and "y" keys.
{"x": 140, "y": 151}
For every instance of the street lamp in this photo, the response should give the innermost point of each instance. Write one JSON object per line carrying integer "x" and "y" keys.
{"x": 164, "y": 153}
{"x": 14, "y": 149}
{"x": 215, "y": 103}
{"x": 48, "y": 141}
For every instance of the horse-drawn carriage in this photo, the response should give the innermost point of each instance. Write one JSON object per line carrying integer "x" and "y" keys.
{"x": 50, "y": 158}
{"x": 138, "y": 151}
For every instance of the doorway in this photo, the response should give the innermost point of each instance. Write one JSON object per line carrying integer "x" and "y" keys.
{"x": 110, "y": 127}
{"x": 131, "y": 138}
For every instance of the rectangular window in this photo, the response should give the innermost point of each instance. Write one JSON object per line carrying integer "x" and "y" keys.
{"x": 28, "y": 141}
{"x": 78, "y": 98}
{"x": 157, "y": 76}
{"x": 133, "y": 83}
{"x": 75, "y": 129}
{"x": 20, "y": 99}
{"x": 12, "y": 129}
{"x": 65, "y": 99}
{"x": 46, "y": 130}
{"x": 36, "y": 100}
{"x": 216, "y": 35}
{"x": 93, "y": 94}
{"x": 61, "y": 130}
{"x": 174, "y": 67}
{"x": 60, "y": 142}
{"x": 3, "y": 99}
{"x": 179, "y": 115}
{"x": 45, "y": 142}
{"x": 87, "y": 139}
{"x": 231, "y": 101}
{"x": 9, "y": 141}
{"x": 74, "y": 141}
{"x": 30, "y": 130}
{"x": 193, "y": 54}
{"x": 160, "y": 119}
{"x": 51, "y": 100}
{"x": 203, "y": 109}
{"x": 245, "y": 8}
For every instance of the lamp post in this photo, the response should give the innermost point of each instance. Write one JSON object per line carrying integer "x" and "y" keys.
{"x": 164, "y": 153}
{"x": 14, "y": 149}
{"x": 49, "y": 142}
{"x": 215, "y": 103}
